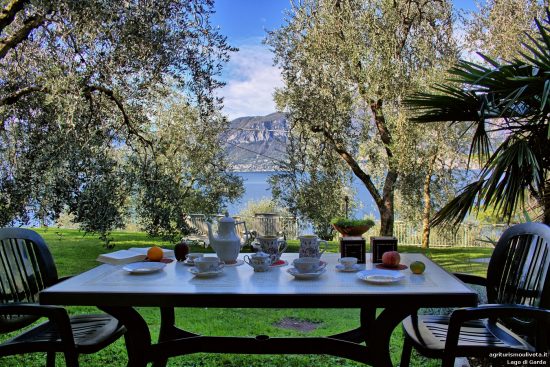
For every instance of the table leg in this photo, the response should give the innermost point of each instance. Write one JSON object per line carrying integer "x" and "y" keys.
{"x": 167, "y": 323}
{"x": 378, "y": 340}
{"x": 137, "y": 337}
{"x": 374, "y": 331}
{"x": 367, "y": 318}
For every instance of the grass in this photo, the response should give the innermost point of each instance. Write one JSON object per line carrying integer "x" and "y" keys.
{"x": 75, "y": 252}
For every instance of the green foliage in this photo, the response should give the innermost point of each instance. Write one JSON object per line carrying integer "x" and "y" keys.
{"x": 263, "y": 205}
{"x": 507, "y": 97}
{"x": 184, "y": 172}
{"x": 346, "y": 66}
{"x": 314, "y": 195}
{"x": 81, "y": 89}
{"x": 496, "y": 25}
{"x": 352, "y": 222}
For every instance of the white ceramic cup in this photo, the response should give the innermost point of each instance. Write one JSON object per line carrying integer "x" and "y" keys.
{"x": 208, "y": 263}
{"x": 348, "y": 262}
{"x": 191, "y": 257}
{"x": 308, "y": 265}
{"x": 310, "y": 246}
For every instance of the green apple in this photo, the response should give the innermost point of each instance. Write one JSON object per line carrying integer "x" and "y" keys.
{"x": 417, "y": 267}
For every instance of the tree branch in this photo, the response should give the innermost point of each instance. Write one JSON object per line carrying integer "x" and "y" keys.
{"x": 8, "y": 13}
{"x": 14, "y": 97}
{"x": 21, "y": 34}
{"x": 380, "y": 121}
{"x": 352, "y": 163}
{"x": 126, "y": 119}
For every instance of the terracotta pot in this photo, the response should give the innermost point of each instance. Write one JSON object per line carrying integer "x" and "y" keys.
{"x": 352, "y": 231}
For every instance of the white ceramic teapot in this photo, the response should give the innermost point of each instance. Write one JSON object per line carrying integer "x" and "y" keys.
{"x": 226, "y": 244}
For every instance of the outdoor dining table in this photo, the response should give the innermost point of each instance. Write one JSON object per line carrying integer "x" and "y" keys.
{"x": 117, "y": 292}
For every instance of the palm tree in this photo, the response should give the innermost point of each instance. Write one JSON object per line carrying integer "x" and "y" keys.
{"x": 509, "y": 99}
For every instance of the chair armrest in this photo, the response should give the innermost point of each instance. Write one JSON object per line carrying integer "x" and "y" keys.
{"x": 57, "y": 316}
{"x": 471, "y": 279}
{"x": 494, "y": 310}
{"x": 459, "y": 316}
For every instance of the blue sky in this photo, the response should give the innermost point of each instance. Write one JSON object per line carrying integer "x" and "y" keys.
{"x": 250, "y": 75}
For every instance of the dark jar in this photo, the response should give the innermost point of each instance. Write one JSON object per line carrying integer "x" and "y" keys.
{"x": 181, "y": 250}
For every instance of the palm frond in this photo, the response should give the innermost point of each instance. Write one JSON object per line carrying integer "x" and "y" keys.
{"x": 512, "y": 168}
{"x": 458, "y": 208}
{"x": 515, "y": 92}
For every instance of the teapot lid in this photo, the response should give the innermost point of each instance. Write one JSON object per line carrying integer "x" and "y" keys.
{"x": 260, "y": 254}
{"x": 226, "y": 219}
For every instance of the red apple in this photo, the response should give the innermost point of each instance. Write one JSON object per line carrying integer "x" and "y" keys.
{"x": 391, "y": 258}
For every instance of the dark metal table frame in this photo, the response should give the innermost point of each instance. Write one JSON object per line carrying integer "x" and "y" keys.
{"x": 369, "y": 343}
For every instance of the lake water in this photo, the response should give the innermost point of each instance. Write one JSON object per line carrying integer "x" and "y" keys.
{"x": 257, "y": 188}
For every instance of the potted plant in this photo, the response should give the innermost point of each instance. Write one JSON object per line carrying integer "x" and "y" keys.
{"x": 352, "y": 227}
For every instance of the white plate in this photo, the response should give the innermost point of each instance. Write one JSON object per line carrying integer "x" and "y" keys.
{"x": 143, "y": 267}
{"x": 353, "y": 269}
{"x": 205, "y": 274}
{"x": 380, "y": 276}
{"x": 298, "y": 275}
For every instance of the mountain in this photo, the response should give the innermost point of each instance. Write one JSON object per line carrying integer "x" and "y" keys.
{"x": 255, "y": 143}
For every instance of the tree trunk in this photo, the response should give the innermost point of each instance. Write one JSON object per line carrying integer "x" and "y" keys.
{"x": 426, "y": 226}
{"x": 384, "y": 201}
{"x": 386, "y": 207}
{"x": 386, "y": 216}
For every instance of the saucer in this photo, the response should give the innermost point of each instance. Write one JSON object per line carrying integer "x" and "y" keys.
{"x": 188, "y": 263}
{"x": 239, "y": 262}
{"x": 353, "y": 269}
{"x": 143, "y": 267}
{"x": 378, "y": 276}
{"x": 298, "y": 275}
{"x": 205, "y": 274}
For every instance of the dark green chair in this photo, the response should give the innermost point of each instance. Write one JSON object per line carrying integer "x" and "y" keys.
{"x": 516, "y": 318}
{"x": 26, "y": 268}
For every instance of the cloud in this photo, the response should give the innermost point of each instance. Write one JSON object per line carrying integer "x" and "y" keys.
{"x": 251, "y": 80}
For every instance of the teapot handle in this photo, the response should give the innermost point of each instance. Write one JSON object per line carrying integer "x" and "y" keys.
{"x": 282, "y": 243}
{"x": 325, "y": 246}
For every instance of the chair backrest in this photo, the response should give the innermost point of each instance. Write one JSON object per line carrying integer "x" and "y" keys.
{"x": 518, "y": 271}
{"x": 26, "y": 268}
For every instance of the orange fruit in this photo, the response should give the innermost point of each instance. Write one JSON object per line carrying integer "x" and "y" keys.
{"x": 154, "y": 253}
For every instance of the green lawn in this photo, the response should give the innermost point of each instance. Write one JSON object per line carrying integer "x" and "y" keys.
{"x": 75, "y": 252}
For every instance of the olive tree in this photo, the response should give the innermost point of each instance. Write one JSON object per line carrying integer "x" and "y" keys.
{"x": 78, "y": 84}
{"x": 346, "y": 66}
{"x": 310, "y": 185}
{"x": 184, "y": 172}
{"x": 497, "y": 27}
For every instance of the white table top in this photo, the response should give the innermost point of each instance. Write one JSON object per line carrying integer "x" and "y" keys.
{"x": 240, "y": 286}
